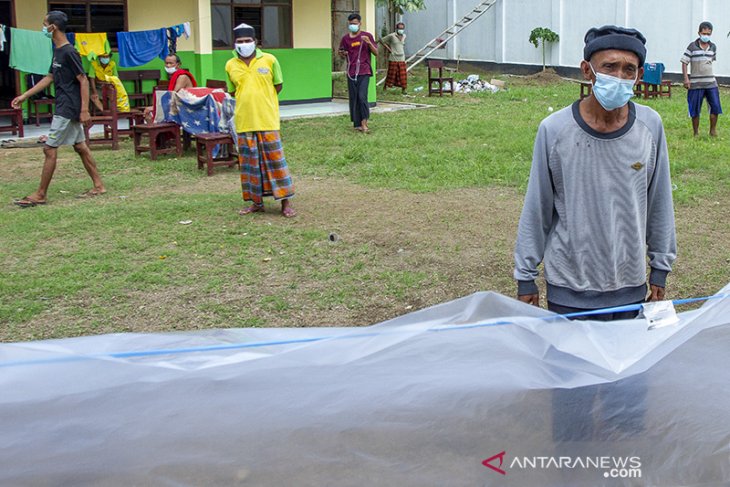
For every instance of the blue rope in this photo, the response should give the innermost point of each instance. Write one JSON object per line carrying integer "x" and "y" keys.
{"x": 294, "y": 341}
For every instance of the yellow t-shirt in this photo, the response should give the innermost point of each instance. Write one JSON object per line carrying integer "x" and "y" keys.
{"x": 257, "y": 103}
{"x": 87, "y": 43}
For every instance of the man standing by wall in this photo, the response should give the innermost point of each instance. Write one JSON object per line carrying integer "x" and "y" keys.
{"x": 258, "y": 80}
{"x": 357, "y": 46}
{"x": 397, "y": 69}
{"x": 72, "y": 110}
{"x": 701, "y": 83}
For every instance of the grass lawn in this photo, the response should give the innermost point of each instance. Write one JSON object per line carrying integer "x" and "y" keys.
{"x": 422, "y": 210}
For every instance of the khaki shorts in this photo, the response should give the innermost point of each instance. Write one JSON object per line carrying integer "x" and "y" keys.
{"x": 65, "y": 132}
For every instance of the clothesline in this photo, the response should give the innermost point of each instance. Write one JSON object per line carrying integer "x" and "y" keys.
{"x": 31, "y": 51}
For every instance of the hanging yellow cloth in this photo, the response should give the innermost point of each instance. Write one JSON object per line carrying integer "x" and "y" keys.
{"x": 87, "y": 43}
{"x": 108, "y": 74}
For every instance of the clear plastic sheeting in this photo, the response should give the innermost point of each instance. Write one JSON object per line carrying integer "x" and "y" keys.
{"x": 520, "y": 398}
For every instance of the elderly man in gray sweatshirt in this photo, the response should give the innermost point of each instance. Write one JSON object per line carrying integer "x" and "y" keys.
{"x": 599, "y": 198}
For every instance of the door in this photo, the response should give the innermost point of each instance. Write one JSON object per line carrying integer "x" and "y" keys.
{"x": 8, "y": 77}
{"x": 341, "y": 9}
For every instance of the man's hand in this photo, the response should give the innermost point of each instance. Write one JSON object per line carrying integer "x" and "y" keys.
{"x": 85, "y": 118}
{"x": 686, "y": 83}
{"x": 18, "y": 101}
{"x": 656, "y": 293}
{"x": 533, "y": 299}
{"x": 370, "y": 43}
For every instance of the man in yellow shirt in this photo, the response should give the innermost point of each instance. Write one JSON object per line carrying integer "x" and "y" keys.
{"x": 258, "y": 80}
{"x": 104, "y": 70}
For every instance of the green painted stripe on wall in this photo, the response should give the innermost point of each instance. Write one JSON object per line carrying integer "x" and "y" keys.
{"x": 307, "y": 72}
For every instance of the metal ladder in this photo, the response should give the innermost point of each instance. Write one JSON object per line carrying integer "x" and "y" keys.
{"x": 447, "y": 35}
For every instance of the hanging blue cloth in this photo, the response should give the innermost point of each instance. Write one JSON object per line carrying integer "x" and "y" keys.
{"x": 653, "y": 73}
{"x": 71, "y": 38}
{"x": 138, "y": 48}
{"x": 179, "y": 30}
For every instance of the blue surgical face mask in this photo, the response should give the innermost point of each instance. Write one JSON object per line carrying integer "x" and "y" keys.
{"x": 104, "y": 60}
{"x": 401, "y": 32}
{"x": 705, "y": 39}
{"x": 353, "y": 27}
{"x": 46, "y": 33}
{"x": 612, "y": 92}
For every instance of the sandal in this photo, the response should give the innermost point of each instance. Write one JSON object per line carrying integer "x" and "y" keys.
{"x": 252, "y": 209}
{"x": 26, "y": 202}
{"x": 288, "y": 212}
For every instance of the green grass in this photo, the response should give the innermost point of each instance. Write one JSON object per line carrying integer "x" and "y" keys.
{"x": 485, "y": 139}
{"x": 123, "y": 262}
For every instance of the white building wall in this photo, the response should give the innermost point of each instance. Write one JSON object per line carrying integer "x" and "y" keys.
{"x": 501, "y": 35}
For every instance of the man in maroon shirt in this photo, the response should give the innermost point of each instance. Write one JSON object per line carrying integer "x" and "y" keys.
{"x": 357, "y": 46}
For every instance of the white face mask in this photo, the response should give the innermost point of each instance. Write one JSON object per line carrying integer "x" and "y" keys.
{"x": 245, "y": 49}
{"x": 170, "y": 70}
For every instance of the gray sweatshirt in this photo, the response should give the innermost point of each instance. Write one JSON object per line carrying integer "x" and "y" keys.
{"x": 596, "y": 206}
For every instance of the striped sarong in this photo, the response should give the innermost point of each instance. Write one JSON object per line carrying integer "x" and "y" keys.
{"x": 264, "y": 171}
{"x": 397, "y": 74}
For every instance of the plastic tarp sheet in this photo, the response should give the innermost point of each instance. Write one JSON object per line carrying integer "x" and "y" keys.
{"x": 479, "y": 391}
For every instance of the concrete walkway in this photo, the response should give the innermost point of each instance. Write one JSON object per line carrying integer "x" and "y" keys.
{"x": 336, "y": 107}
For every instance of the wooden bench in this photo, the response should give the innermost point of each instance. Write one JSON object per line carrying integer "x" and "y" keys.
{"x": 138, "y": 77}
{"x": 649, "y": 90}
{"x": 641, "y": 89}
{"x": 206, "y": 142}
{"x": 16, "y": 121}
{"x": 153, "y": 132}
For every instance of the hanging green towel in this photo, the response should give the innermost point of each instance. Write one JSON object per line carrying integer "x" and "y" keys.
{"x": 30, "y": 51}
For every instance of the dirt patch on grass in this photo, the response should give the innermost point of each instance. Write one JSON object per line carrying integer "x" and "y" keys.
{"x": 543, "y": 78}
{"x": 455, "y": 242}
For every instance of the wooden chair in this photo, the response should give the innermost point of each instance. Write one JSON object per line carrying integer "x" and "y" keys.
{"x": 439, "y": 80}
{"x": 43, "y": 98}
{"x": 153, "y": 132}
{"x": 16, "y": 121}
{"x": 216, "y": 84}
{"x": 222, "y": 85}
{"x": 206, "y": 142}
{"x": 108, "y": 118}
{"x": 133, "y": 117}
{"x": 138, "y": 77}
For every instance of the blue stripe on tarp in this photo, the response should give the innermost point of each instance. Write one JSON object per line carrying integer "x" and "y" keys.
{"x": 273, "y": 343}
